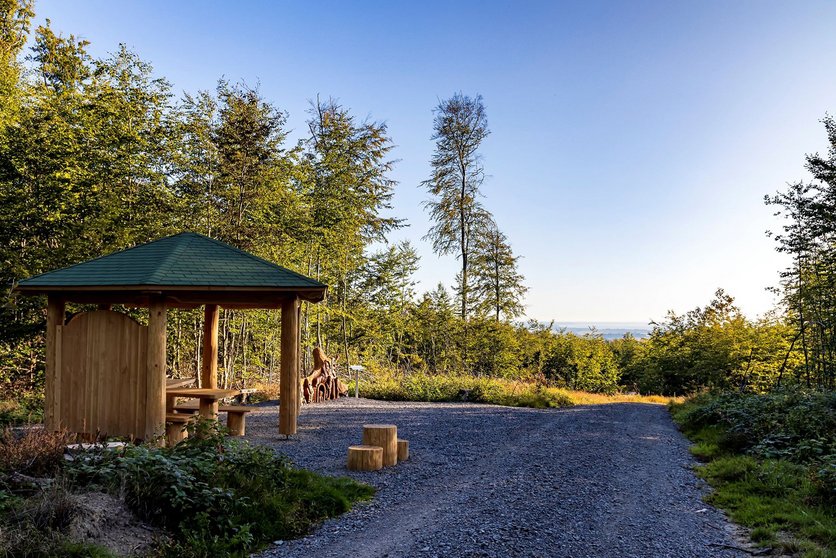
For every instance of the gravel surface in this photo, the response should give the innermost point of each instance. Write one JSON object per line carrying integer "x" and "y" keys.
{"x": 608, "y": 480}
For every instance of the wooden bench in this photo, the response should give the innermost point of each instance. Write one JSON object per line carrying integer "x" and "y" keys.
{"x": 175, "y": 427}
{"x": 208, "y": 398}
{"x": 235, "y": 415}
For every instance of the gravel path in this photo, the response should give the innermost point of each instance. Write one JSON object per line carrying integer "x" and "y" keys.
{"x": 608, "y": 480}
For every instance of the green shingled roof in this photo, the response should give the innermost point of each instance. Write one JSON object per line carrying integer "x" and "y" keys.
{"x": 183, "y": 260}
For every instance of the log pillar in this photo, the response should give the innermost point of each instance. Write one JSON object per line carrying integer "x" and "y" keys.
{"x": 289, "y": 382}
{"x": 209, "y": 365}
{"x": 52, "y": 380}
{"x": 155, "y": 377}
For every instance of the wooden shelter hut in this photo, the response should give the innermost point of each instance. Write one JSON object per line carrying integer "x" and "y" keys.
{"x": 106, "y": 373}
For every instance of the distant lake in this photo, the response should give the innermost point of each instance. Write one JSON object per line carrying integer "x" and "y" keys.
{"x": 608, "y": 330}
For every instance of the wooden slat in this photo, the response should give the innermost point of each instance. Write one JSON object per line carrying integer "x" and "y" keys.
{"x": 202, "y": 393}
{"x": 52, "y": 395}
{"x": 103, "y": 374}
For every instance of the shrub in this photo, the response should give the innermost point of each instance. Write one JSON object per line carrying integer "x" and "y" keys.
{"x": 216, "y": 495}
{"x": 27, "y": 409}
{"x": 771, "y": 462}
{"x": 34, "y": 452}
{"x": 794, "y": 424}
{"x": 449, "y": 388}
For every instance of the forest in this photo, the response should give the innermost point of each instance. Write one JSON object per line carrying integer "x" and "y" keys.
{"x": 100, "y": 154}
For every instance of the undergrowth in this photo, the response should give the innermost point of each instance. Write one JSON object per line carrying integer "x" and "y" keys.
{"x": 25, "y": 409}
{"x": 212, "y": 495}
{"x": 771, "y": 460}
{"x": 497, "y": 391}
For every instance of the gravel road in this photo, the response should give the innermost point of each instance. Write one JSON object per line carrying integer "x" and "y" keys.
{"x": 608, "y": 480}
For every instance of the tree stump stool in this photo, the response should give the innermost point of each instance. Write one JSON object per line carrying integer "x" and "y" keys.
{"x": 384, "y": 436}
{"x": 403, "y": 450}
{"x": 365, "y": 458}
{"x": 175, "y": 428}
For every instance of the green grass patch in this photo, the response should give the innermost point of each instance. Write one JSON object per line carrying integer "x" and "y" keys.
{"x": 785, "y": 501}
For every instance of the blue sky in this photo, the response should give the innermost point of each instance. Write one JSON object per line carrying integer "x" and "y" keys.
{"x": 632, "y": 142}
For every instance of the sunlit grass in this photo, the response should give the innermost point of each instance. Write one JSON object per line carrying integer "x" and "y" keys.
{"x": 586, "y": 398}
{"x": 499, "y": 391}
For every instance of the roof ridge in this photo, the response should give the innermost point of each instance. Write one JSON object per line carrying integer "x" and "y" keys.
{"x": 175, "y": 252}
{"x": 258, "y": 259}
{"x": 123, "y": 250}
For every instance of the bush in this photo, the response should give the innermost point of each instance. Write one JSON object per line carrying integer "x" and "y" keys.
{"x": 216, "y": 495}
{"x": 794, "y": 424}
{"x": 35, "y": 452}
{"x": 28, "y": 409}
{"x": 449, "y": 388}
{"x": 771, "y": 462}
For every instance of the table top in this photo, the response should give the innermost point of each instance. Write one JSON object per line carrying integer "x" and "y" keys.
{"x": 174, "y": 383}
{"x": 202, "y": 393}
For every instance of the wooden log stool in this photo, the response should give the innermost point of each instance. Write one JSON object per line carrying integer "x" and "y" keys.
{"x": 236, "y": 419}
{"x": 175, "y": 427}
{"x": 235, "y": 415}
{"x": 384, "y": 436}
{"x": 365, "y": 458}
{"x": 403, "y": 450}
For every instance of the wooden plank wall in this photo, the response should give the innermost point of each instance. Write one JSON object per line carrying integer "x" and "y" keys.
{"x": 101, "y": 385}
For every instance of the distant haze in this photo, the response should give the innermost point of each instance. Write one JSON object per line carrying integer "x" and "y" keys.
{"x": 608, "y": 330}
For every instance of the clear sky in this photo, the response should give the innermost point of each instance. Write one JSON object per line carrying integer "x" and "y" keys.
{"x": 632, "y": 142}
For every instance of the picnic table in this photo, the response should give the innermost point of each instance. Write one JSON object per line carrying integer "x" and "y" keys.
{"x": 174, "y": 383}
{"x": 208, "y": 398}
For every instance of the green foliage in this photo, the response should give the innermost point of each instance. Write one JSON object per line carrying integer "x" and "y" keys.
{"x": 582, "y": 363}
{"x": 447, "y": 388}
{"x": 460, "y": 127}
{"x": 790, "y": 424}
{"x": 498, "y": 288}
{"x": 807, "y": 286}
{"x": 714, "y": 347}
{"x": 216, "y": 495}
{"x": 27, "y": 409}
{"x": 771, "y": 461}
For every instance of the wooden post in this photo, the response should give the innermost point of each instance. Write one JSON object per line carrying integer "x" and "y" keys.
{"x": 52, "y": 384}
{"x": 289, "y": 382}
{"x": 155, "y": 377}
{"x": 209, "y": 366}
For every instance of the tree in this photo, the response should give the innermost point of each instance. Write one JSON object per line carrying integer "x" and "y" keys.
{"x": 809, "y": 235}
{"x": 497, "y": 283}
{"x": 15, "y": 16}
{"x": 460, "y": 126}
{"x": 346, "y": 189}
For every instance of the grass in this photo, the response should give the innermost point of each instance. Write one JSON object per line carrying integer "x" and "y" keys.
{"x": 784, "y": 501}
{"x": 497, "y": 391}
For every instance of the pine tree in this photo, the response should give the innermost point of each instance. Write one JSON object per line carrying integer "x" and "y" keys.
{"x": 498, "y": 288}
